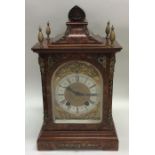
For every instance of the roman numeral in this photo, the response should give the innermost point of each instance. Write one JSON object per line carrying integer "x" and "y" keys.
{"x": 63, "y": 101}
{"x": 69, "y": 81}
{"x": 92, "y": 86}
{"x": 62, "y": 86}
{"x": 86, "y": 80}
{"x": 77, "y": 78}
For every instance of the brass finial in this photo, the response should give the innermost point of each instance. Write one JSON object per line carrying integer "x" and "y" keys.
{"x": 48, "y": 30}
{"x": 40, "y": 36}
{"x": 112, "y": 35}
{"x": 107, "y": 30}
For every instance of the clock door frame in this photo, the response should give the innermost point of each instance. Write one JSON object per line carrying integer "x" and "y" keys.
{"x": 103, "y": 62}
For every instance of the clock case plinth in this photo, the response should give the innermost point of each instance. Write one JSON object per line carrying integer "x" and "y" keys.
{"x": 77, "y": 44}
{"x": 105, "y": 139}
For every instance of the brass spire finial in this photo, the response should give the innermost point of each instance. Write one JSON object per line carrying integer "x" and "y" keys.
{"x": 48, "y": 30}
{"x": 40, "y": 36}
{"x": 112, "y": 35}
{"x": 107, "y": 30}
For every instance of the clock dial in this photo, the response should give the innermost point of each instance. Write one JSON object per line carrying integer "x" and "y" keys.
{"x": 77, "y": 96}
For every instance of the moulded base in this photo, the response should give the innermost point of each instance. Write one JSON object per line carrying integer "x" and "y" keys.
{"x": 78, "y": 140}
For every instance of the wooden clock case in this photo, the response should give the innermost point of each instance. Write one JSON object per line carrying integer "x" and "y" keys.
{"x": 77, "y": 44}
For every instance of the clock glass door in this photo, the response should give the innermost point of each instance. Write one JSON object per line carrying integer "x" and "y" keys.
{"x": 77, "y": 93}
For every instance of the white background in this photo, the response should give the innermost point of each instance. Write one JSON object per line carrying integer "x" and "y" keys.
{"x": 142, "y": 83}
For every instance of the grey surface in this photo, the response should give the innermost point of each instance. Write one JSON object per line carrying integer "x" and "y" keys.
{"x": 98, "y": 12}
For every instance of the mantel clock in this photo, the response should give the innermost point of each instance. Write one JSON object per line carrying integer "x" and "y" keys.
{"x": 77, "y": 80}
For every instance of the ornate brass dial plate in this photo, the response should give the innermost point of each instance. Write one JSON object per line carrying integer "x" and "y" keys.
{"x": 77, "y": 88}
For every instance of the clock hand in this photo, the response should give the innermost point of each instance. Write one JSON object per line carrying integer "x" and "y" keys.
{"x": 74, "y": 92}
{"x": 83, "y": 94}
{"x": 92, "y": 94}
{"x": 71, "y": 90}
{"x": 79, "y": 93}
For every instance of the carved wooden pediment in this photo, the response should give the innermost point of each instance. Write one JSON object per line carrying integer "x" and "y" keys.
{"x": 77, "y": 31}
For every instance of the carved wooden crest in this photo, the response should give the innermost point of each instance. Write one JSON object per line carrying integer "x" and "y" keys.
{"x": 77, "y": 31}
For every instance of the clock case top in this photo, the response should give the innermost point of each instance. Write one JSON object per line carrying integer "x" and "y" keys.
{"x": 76, "y": 39}
{"x": 77, "y": 43}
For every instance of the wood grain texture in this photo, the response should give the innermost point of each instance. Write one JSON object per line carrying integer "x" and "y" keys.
{"x": 68, "y": 140}
{"x": 100, "y": 136}
{"x": 77, "y": 43}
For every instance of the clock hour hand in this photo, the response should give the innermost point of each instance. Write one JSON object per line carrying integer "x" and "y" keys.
{"x": 74, "y": 92}
{"x": 79, "y": 93}
{"x": 83, "y": 94}
{"x": 71, "y": 90}
{"x": 90, "y": 94}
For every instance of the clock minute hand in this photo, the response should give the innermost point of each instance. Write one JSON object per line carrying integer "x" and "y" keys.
{"x": 71, "y": 90}
{"x": 74, "y": 92}
{"x": 79, "y": 93}
{"x": 83, "y": 94}
{"x": 92, "y": 94}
